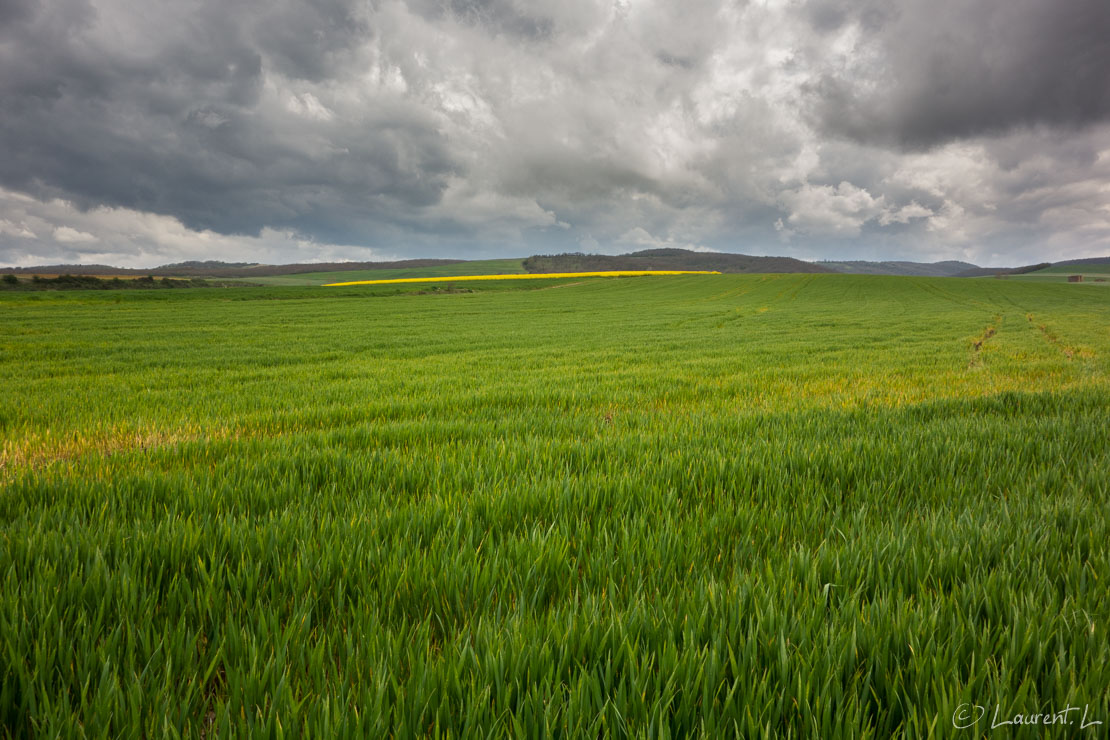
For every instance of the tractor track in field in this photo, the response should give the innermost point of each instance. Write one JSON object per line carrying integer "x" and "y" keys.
{"x": 562, "y": 285}
{"x": 791, "y": 291}
{"x": 947, "y": 295}
{"x": 988, "y": 333}
{"x": 1054, "y": 341}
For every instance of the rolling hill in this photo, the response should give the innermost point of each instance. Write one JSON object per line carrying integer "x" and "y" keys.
{"x": 949, "y": 268}
{"x": 649, "y": 259}
{"x": 669, "y": 259}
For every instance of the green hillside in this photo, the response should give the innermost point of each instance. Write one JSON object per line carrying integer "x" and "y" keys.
{"x": 670, "y": 259}
{"x": 1083, "y": 268}
{"x": 727, "y": 505}
{"x": 948, "y": 268}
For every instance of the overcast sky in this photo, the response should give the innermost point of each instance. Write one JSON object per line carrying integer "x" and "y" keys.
{"x": 139, "y": 132}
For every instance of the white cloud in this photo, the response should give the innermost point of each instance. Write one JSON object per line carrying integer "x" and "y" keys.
{"x": 588, "y": 244}
{"x": 640, "y": 237}
{"x": 68, "y": 235}
{"x": 7, "y": 228}
{"x": 905, "y": 214}
{"x": 129, "y": 238}
{"x": 824, "y": 210}
{"x": 308, "y": 106}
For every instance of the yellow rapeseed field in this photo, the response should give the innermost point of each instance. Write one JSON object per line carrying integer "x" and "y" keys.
{"x": 529, "y": 276}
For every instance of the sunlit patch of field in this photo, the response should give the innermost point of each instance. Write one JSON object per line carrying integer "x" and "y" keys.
{"x": 38, "y": 450}
{"x": 707, "y": 505}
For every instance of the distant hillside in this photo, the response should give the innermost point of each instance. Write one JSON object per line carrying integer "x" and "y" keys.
{"x": 1093, "y": 265}
{"x": 990, "y": 271}
{"x": 208, "y": 265}
{"x": 648, "y": 259}
{"x": 72, "y": 270}
{"x": 92, "y": 282}
{"x": 948, "y": 268}
{"x": 227, "y": 269}
{"x": 667, "y": 259}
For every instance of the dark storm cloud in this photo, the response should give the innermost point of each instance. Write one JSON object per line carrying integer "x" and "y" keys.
{"x": 142, "y": 132}
{"x": 929, "y": 71}
{"x": 170, "y": 117}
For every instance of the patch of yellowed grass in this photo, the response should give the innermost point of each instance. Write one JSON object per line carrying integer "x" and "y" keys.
{"x": 40, "y": 450}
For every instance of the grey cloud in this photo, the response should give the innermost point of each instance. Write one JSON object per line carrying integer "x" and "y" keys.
{"x": 827, "y": 16}
{"x": 504, "y": 16}
{"x": 530, "y": 22}
{"x": 15, "y": 12}
{"x": 482, "y": 127}
{"x": 831, "y": 15}
{"x": 183, "y": 124}
{"x": 311, "y": 40}
{"x": 930, "y": 71}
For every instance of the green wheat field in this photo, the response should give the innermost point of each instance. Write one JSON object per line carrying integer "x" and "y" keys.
{"x": 728, "y": 505}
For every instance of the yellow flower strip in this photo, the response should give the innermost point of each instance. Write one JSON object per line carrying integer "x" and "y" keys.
{"x": 527, "y": 276}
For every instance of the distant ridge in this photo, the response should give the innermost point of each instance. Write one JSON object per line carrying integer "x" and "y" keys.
{"x": 988, "y": 271}
{"x": 948, "y": 268}
{"x": 647, "y": 259}
{"x": 72, "y": 270}
{"x": 225, "y": 269}
{"x": 209, "y": 265}
{"x": 667, "y": 259}
{"x": 1086, "y": 261}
